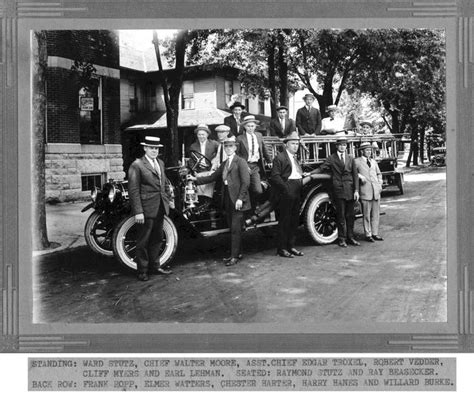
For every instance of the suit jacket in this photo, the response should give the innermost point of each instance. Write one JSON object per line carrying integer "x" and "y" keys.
{"x": 276, "y": 130}
{"x": 281, "y": 170}
{"x": 210, "y": 149}
{"x": 144, "y": 189}
{"x": 238, "y": 180}
{"x": 345, "y": 180}
{"x": 243, "y": 149}
{"x": 232, "y": 123}
{"x": 308, "y": 122}
{"x": 371, "y": 189}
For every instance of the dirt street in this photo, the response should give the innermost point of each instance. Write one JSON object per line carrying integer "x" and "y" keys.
{"x": 402, "y": 279}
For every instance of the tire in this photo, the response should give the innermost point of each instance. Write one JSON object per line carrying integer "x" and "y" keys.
{"x": 98, "y": 234}
{"x": 124, "y": 242}
{"x": 320, "y": 219}
{"x": 400, "y": 184}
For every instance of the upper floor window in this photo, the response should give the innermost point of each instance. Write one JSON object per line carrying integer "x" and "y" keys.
{"x": 187, "y": 95}
{"x": 229, "y": 91}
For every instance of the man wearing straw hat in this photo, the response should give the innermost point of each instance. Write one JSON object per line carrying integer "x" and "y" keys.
{"x": 286, "y": 177}
{"x": 150, "y": 201}
{"x": 235, "y": 178}
{"x": 345, "y": 184}
{"x": 332, "y": 124}
{"x": 370, "y": 190}
{"x": 308, "y": 119}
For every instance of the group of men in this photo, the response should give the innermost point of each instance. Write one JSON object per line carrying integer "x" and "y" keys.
{"x": 238, "y": 165}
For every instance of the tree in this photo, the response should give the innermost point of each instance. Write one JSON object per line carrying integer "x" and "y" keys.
{"x": 39, "y": 69}
{"x": 171, "y": 85}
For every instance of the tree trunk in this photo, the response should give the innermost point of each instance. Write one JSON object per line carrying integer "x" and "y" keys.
{"x": 282, "y": 71}
{"x": 271, "y": 76}
{"x": 415, "y": 143}
{"x": 171, "y": 91}
{"x": 422, "y": 144}
{"x": 40, "y": 63}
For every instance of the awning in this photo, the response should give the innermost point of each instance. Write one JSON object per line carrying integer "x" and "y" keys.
{"x": 187, "y": 118}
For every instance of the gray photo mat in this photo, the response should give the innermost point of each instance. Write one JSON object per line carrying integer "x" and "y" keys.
{"x": 305, "y": 337}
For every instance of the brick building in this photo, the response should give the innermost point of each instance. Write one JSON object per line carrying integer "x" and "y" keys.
{"x": 83, "y": 113}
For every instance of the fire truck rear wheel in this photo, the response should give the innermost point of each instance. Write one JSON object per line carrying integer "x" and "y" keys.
{"x": 320, "y": 219}
{"x": 124, "y": 242}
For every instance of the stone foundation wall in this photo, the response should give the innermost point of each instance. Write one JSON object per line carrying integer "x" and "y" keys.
{"x": 66, "y": 163}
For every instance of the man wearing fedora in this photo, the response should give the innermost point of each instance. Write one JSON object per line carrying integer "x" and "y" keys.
{"x": 235, "y": 178}
{"x": 234, "y": 121}
{"x": 253, "y": 150}
{"x": 345, "y": 185}
{"x": 370, "y": 190}
{"x": 282, "y": 125}
{"x": 208, "y": 148}
{"x": 308, "y": 119}
{"x": 286, "y": 177}
{"x": 150, "y": 201}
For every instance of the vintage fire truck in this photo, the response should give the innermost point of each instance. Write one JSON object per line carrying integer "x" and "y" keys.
{"x": 110, "y": 230}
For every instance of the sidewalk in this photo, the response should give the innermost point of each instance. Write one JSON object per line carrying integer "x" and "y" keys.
{"x": 65, "y": 224}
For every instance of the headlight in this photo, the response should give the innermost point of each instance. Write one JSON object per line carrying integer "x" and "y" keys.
{"x": 94, "y": 194}
{"x": 112, "y": 193}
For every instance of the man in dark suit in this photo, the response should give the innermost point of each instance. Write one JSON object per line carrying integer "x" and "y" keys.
{"x": 234, "y": 121}
{"x": 308, "y": 119}
{"x": 150, "y": 201}
{"x": 345, "y": 184}
{"x": 252, "y": 149}
{"x": 235, "y": 177}
{"x": 286, "y": 178}
{"x": 281, "y": 126}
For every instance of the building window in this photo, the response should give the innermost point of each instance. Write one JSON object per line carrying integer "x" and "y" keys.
{"x": 90, "y": 113}
{"x": 89, "y": 181}
{"x": 187, "y": 95}
{"x": 229, "y": 91}
{"x": 261, "y": 105}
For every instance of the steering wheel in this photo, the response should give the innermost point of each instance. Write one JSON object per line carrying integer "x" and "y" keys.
{"x": 199, "y": 162}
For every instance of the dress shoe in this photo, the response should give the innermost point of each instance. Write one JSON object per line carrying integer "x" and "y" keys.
{"x": 296, "y": 252}
{"x": 143, "y": 277}
{"x": 284, "y": 253}
{"x": 342, "y": 243}
{"x": 376, "y": 237}
{"x": 232, "y": 261}
{"x": 239, "y": 257}
{"x": 353, "y": 242}
{"x": 161, "y": 271}
{"x": 369, "y": 239}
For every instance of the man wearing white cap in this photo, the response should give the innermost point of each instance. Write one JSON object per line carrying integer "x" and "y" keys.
{"x": 332, "y": 124}
{"x": 235, "y": 178}
{"x": 150, "y": 201}
{"x": 208, "y": 148}
{"x": 370, "y": 190}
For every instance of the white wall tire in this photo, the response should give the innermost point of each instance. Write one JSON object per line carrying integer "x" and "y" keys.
{"x": 124, "y": 242}
{"x": 320, "y": 219}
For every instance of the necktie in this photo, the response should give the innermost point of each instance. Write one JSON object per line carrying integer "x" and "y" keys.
{"x": 342, "y": 158}
{"x": 157, "y": 169}
{"x": 226, "y": 170}
{"x": 221, "y": 154}
{"x": 253, "y": 144}
{"x": 368, "y": 162}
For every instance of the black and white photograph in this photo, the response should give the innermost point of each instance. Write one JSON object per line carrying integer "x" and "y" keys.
{"x": 334, "y": 210}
